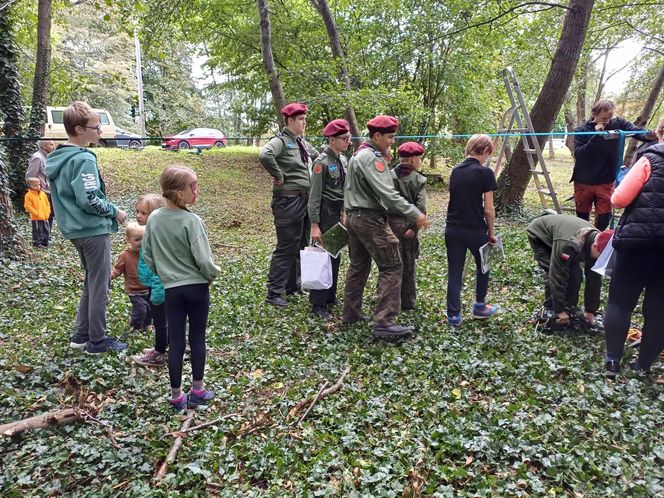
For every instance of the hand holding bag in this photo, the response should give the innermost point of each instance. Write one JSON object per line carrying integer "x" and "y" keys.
{"x": 315, "y": 269}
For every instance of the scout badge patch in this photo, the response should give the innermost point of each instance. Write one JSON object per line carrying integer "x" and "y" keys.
{"x": 318, "y": 168}
{"x": 379, "y": 166}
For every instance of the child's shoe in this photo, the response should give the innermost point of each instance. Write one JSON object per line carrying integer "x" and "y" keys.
{"x": 612, "y": 369}
{"x": 454, "y": 320}
{"x": 482, "y": 311}
{"x": 201, "y": 397}
{"x": 180, "y": 403}
{"x": 150, "y": 358}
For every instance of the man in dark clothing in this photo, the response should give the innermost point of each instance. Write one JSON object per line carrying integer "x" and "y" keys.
{"x": 596, "y": 160}
{"x": 287, "y": 158}
{"x": 561, "y": 245}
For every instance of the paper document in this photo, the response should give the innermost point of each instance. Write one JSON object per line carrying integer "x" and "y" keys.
{"x": 334, "y": 240}
{"x": 489, "y": 254}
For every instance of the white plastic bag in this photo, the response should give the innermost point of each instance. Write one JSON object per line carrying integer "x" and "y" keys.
{"x": 606, "y": 261}
{"x": 315, "y": 269}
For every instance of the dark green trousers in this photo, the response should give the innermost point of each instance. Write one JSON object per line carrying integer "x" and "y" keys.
{"x": 410, "y": 250}
{"x": 370, "y": 238}
{"x": 329, "y": 216}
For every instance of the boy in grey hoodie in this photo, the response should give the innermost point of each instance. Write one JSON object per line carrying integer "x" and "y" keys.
{"x": 86, "y": 218}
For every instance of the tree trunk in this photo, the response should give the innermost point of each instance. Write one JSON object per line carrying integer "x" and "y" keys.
{"x": 278, "y": 99}
{"x": 569, "y": 127}
{"x": 338, "y": 53}
{"x": 581, "y": 89}
{"x": 11, "y": 242}
{"x": 515, "y": 178}
{"x": 40, "y": 85}
{"x": 646, "y": 113}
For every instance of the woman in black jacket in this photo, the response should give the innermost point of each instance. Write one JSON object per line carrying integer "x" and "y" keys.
{"x": 639, "y": 245}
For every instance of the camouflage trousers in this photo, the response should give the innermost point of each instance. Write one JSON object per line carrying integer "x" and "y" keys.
{"x": 370, "y": 238}
{"x": 410, "y": 250}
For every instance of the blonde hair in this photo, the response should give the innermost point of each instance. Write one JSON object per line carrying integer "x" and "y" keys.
{"x": 152, "y": 201}
{"x": 77, "y": 114}
{"x": 659, "y": 131}
{"x": 175, "y": 179}
{"x": 33, "y": 179}
{"x": 477, "y": 144}
{"x": 133, "y": 227}
{"x": 601, "y": 106}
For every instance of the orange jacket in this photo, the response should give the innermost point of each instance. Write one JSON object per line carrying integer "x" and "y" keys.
{"x": 36, "y": 203}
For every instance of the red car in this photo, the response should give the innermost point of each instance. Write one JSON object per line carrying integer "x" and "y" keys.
{"x": 204, "y": 138}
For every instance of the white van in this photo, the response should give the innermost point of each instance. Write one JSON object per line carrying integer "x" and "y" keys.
{"x": 54, "y": 126}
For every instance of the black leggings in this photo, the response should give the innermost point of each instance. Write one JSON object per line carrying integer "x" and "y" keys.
{"x": 160, "y": 327}
{"x": 193, "y": 302}
{"x": 634, "y": 271}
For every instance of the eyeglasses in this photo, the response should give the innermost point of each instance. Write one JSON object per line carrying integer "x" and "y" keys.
{"x": 98, "y": 127}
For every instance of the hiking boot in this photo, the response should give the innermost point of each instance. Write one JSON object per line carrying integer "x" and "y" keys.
{"x": 454, "y": 320}
{"x": 276, "y": 300}
{"x": 180, "y": 403}
{"x": 151, "y": 358}
{"x": 483, "y": 311}
{"x": 612, "y": 368}
{"x": 106, "y": 344}
{"x": 392, "y": 331}
{"x": 640, "y": 372}
{"x": 199, "y": 399}
{"x": 361, "y": 318}
{"x": 78, "y": 341}
{"x": 322, "y": 312}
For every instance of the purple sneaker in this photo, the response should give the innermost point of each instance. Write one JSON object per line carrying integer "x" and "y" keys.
{"x": 180, "y": 403}
{"x": 482, "y": 311}
{"x": 199, "y": 399}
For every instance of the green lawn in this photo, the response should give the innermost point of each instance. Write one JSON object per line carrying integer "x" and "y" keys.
{"x": 490, "y": 409}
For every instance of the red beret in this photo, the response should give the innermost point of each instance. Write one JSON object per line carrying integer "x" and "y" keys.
{"x": 294, "y": 109}
{"x": 383, "y": 124}
{"x": 602, "y": 239}
{"x": 410, "y": 149}
{"x": 336, "y": 127}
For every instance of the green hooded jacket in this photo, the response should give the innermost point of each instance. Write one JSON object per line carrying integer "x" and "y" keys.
{"x": 78, "y": 194}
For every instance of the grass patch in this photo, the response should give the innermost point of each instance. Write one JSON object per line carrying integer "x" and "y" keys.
{"x": 491, "y": 409}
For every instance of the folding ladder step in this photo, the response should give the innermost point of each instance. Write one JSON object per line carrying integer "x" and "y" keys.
{"x": 544, "y": 191}
{"x": 529, "y": 151}
{"x": 538, "y": 172}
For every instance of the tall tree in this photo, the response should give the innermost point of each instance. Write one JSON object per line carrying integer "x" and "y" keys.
{"x": 42, "y": 66}
{"x": 646, "y": 113}
{"x": 11, "y": 242}
{"x": 338, "y": 53}
{"x": 278, "y": 98}
{"x": 515, "y": 178}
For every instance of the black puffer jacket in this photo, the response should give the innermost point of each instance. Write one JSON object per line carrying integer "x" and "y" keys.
{"x": 641, "y": 226}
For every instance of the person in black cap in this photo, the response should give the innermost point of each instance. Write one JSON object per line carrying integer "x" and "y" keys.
{"x": 287, "y": 157}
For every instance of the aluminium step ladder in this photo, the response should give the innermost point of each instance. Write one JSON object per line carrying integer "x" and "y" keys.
{"x": 517, "y": 120}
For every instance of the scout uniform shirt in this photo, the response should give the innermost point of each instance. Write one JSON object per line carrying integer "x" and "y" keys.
{"x": 288, "y": 158}
{"x": 412, "y": 187}
{"x": 369, "y": 184}
{"x": 328, "y": 175}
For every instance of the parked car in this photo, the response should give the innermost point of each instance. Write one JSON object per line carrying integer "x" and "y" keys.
{"x": 55, "y": 127}
{"x": 128, "y": 140}
{"x": 204, "y": 138}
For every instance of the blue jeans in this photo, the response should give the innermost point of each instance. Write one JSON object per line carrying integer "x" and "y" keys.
{"x": 457, "y": 242}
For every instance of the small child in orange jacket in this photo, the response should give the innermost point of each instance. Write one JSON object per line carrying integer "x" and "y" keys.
{"x": 37, "y": 205}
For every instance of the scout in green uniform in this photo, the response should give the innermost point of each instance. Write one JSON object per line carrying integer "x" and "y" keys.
{"x": 287, "y": 157}
{"x": 561, "y": 244}
{"x": 369, "y": 193}
{"x": 326, "y": 202}
{"x": 412, "y": 187}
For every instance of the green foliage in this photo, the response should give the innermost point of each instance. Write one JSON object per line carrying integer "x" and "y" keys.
{"x": 491, "y": 409}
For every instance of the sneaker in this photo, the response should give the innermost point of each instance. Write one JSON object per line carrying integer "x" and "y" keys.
{"x": 196, "y": 400}
{"x": 483, "y": 311}
{"x": 78, "y": 341}
{"x": 276, "y": 301}
{"x": 106, "y": 344}
{"x": 612, "y": 368}
{"x": 151, "y": 358}
{"x": 180, "y": 403}
{"x": 322, "y": 312}
{"x": 454, "y": 320}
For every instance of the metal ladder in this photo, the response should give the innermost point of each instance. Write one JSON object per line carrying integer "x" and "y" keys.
{"x": 518, "y": 120}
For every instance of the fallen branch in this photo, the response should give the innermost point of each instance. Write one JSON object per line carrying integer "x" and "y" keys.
{"x": 320, "y": 391}
{"x": 322, "y": 394}
{"x": 170, "y": 458}
{"x": 56, "y": 417}
{"x": 200, "y": 426}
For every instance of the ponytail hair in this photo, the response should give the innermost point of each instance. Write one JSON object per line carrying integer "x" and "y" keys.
{"x": 175, "y": 179}
{"x": 477, "y": 144}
